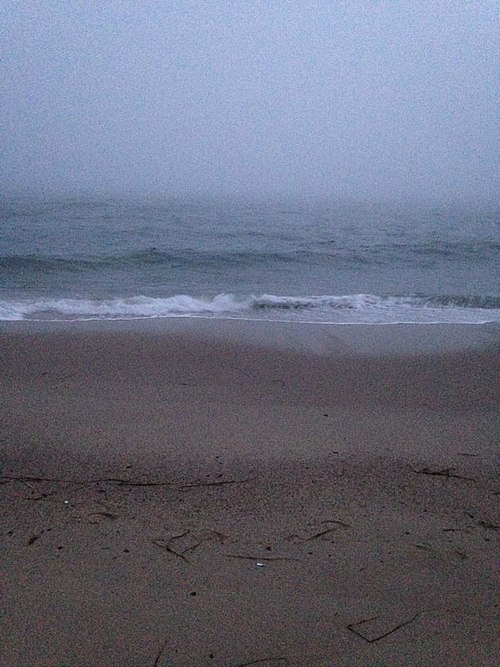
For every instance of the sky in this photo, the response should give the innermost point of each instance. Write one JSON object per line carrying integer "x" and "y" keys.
{"x": 311, "y": 98}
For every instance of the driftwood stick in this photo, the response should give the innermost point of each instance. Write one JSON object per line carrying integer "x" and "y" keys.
{"x": 119, "y": 481}
{"x": 160, "y": 653}
{"x": 445, "y": 472}
{"x": 129, "y": 482}
{"x": 320, "y": 534}
{"x": 260, "y": 661}
{"x": 340, "y": 523}
{"x": 196, "y": 485}
{"x": 188, "y": 550}
{"x": 266, "y": 558}
{"x": 167, "y": 547}
{"x": 456, "y": 530}
{"x": 171, "y": 551}
{"x": 352, "y": 628}
{"x": 178, "y": 537}
{"x": 107, "y": 515}
{"x": 24, "y": 479}
{"x": 28, "y": 478}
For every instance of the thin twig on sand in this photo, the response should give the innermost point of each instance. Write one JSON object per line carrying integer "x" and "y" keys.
{"x": 119, "y": 481}
{"x": 456, "y": 530}
{"x": 167, "y": 547}
{"x": 260, "y": 661}
{"x": 106, "y": 515}
{"x": 352, "y": 628}
{"x": 24, "y": 479}
{"x": 160, "y": 653}
{"x": 444, "y": 472}
{"x": 321, "y": 533}
{"x": 259, "y": 558}
{"x": 195, "y": 485}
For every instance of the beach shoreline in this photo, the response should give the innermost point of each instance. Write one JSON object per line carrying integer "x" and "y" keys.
{"x": 327, "y": 339}
{"x": 213, "y": 492}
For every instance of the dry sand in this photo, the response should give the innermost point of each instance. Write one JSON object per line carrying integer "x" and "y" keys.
{"x": 174, "y": 498}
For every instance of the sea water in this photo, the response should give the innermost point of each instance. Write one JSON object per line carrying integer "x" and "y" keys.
{"x": 67, "y": 259}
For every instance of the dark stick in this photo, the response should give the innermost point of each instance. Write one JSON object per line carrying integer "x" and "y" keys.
{"x": 372, "y": 618}
{"x": 445, "y": 472}
{"x": 56, "y": 480}
{"x": 157, "y": 661}
{"x": 171, "y": 551}
{"x": 268, "y": 558}
{"x": 222, "y": 483}
{"x": 256, "y": 662}
{"x": 168, "y": 548}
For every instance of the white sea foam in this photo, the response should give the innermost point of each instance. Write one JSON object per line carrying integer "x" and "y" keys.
{"x": 361, "y": 308}
{"x": 136, "y": 306}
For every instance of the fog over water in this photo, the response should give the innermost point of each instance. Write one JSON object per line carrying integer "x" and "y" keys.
{"x": 318, "y": 99}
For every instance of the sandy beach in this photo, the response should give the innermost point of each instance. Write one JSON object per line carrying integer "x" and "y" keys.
{"x": 198, "y": 494}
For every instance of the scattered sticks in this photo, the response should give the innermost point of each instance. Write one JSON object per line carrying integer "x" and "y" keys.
{"x": 179, "y": 554}
{"x": 189, "y": 545}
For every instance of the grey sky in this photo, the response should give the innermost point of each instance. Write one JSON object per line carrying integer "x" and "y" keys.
{"x": 331, "y": 98}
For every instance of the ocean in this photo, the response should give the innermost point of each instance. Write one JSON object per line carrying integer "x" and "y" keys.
{"x": 85, "y": 259}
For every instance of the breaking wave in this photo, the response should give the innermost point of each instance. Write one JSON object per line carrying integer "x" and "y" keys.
{"x": 362, "y": 308}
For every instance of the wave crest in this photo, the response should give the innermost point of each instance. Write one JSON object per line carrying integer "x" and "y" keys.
{"x": 327, "y": 253}
{"x": 326, "y": 308}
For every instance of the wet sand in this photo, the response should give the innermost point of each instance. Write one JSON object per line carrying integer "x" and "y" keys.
{"x": 230, "y": 494}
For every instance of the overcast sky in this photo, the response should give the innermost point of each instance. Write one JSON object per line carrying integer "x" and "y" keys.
{"x": 330, "y": 98}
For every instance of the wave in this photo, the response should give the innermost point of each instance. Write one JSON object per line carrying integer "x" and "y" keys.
{"x": 145, "y": 258}
{"x": 326, "y": 308}
{"x": 450, "y": 249}
{"x": 321, "y": 252}
{"x": 483, "y": 302}
{"x": 41, "y": 263}
{"x": 370, "y": 301}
